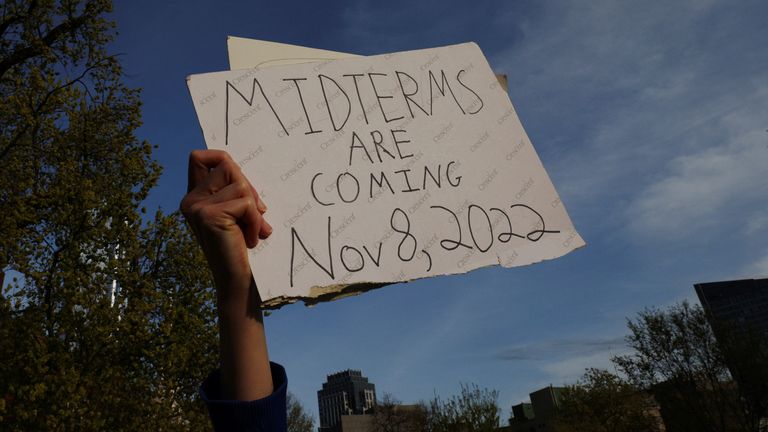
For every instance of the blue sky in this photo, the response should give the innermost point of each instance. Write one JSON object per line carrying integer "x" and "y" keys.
{"x": 650, "y": 117}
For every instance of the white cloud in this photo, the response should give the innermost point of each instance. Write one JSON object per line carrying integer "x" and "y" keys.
{"x": 577, "y": 347}
{"x": 721, "y": 184}
{"x": 656, "y": 125}
{"x": 565, "y": 361}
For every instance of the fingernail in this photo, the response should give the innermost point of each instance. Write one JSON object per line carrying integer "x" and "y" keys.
{"x": 267, "y": 228}
{"x": 261, "y": 206}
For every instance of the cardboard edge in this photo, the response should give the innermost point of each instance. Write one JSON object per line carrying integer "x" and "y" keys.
{"x": 327, "y": 293}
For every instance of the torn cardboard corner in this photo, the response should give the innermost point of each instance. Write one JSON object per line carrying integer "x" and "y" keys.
{"x": 379, "y": 169}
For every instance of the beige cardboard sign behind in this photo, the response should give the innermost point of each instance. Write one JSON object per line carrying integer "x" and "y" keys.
{"x": 247, "y": 53}
{"x": 382, "y": 169}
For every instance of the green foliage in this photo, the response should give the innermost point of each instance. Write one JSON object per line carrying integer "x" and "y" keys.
{"x": 298, "y": 418}
{"x": 131, "y": 365}
{"x": 604, "y": 402}
{"x": 677, "y": 357}
{"x": 72, "y": 355}
{"x": 474, "y": 410}
{"x": 70, "y": 159}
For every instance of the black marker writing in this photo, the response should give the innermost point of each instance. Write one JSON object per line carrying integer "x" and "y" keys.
{"x": 249, "y": 101}
{"x": 303, "y": 107}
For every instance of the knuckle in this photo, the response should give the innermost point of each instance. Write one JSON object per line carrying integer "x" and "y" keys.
{"x": 252, "y": 212}
{"x": 228, "y": 164}
{"x": 203, "y": 212}
{"x": 227, "y": 157}
{"x": 242, "y": 187}
{"x": 196, "y": 210}
{"x": 195, "y": 155}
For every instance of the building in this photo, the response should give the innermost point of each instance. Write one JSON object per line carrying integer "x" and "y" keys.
{"x": 743, "y": 303}
{"x": 345, "y": 393}
{"x": 738, "y": 313}
{"x": 522, "y": 411}
{"x": 356, "y": 423}
{"x": 545, "y": 402}
{"x": 538, "y": 415}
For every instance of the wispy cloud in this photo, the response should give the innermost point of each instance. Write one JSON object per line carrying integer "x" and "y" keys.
{"x": 565, "y": 361}
{"x": 556, "y": 349}
{"x": 659, "y": 120}
{"x": 720, "y": 185}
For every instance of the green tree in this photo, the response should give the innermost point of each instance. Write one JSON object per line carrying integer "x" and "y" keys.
{"x": 676, "y": 357}
{"x": 298, "y": 418}
{"x": 108, "y": 321}
{"x": 604, "y": 402}
{"x": 473, "y": 410}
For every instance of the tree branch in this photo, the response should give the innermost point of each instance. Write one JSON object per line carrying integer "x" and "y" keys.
{"x": 16, "y": 139}
{"x": 13, "y": 19}
{"x": 22, "y": 54}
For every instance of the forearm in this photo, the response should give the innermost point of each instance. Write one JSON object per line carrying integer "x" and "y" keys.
{"x": 245, "y": 370}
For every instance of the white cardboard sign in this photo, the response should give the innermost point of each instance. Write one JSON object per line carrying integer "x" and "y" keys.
{"x": 382, "y": 169}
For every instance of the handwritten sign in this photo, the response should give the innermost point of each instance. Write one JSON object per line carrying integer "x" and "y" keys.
{"x": 383, "y": 169}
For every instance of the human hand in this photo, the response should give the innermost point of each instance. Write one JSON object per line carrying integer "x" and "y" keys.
{"x": 226, "y": 214}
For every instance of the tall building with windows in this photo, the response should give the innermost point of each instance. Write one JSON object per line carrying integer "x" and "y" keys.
{"x": 743, "y": 303}
{"x": 344, "y": 393}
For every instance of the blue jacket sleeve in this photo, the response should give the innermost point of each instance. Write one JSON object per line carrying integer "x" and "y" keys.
{"x": 268, "y": 414}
